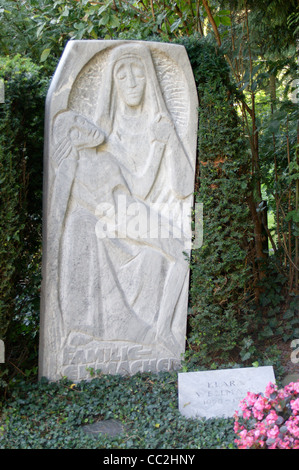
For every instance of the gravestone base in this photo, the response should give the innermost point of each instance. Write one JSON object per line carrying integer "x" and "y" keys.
{"x": 114, "y": 358}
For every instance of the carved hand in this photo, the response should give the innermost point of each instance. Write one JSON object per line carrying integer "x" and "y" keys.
{"x": 161, "y": 128}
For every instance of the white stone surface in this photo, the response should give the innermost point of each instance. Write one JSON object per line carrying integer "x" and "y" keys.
{"x": 2, "y": 91}
{"x": 217, "y": 393}
{"x": 120, "y": 146}
{"x": 2, "y": 351}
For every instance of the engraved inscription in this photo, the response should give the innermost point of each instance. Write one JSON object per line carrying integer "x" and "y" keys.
{"x": 229, "y": 391}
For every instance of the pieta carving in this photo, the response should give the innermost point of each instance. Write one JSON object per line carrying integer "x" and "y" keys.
{"x": 119, "y": 180}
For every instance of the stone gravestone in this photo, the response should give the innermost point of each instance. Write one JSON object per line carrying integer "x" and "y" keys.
{"x": 217, "y": 393}
{"x": 120, "y": 146}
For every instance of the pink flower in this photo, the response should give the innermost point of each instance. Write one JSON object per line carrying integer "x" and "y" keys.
{"x": 283, "y": 444}
{"x": 292, "y": 425}
{"x": 246, "y": 414}
{"x": 282, "y": 394}
{"x": 249, "y": 441}
{"x": 292, "y": 387}
{"x": 238, "y": 427}
{"x": 251, "y": 398}
{"x": 262, "y": 428}
{"x": 260, "y": 403}
{"x": 257, "y": 414}
{"x": 243, "y": 434}
{"x": 273, "y": 432}
{"x": 243, "y": 405}
{"x": 272, "y": 417}
{"x": 271, "y": 388}
{"x": 258, "y": 433}
{"x": 272, "y": 428}
{"x": 295, "y": 406}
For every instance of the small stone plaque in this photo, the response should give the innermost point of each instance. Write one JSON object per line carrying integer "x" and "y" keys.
{"x": 217, "y": 393}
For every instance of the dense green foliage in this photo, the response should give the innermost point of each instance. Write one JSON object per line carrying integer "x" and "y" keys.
{"x": 221, "y": 282}
{"x": 51, "y": 416}
{"x": 261, "y": 51}
{"x": 21, "y": 160}
{"x": 40, "y": 28}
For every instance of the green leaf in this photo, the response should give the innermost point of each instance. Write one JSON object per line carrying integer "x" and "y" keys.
{"x": 223, "y": 12}
{"x": 104, "y": 19}
{"x": 246, "y": 356}
{"x": 114, "y": 23}
{"x": 293, "y": 215}
{"x": 274, "y": 125}
{"x": 102, "y": 9}
{"x": 267, "y": 332}
{"x": 65, "y": 12}
{"x": 217, "y": 20}
{"x": 175, "y": 25}
{"x": 254, "y": 85}
{"x": 93, "y": 34}
{"x": 39, "y": 30}
{"x": 244, "y": 86}
{"x": 288, "y": 314}
{"x": 225, "y": 20}
{"x": 45, "y": 55}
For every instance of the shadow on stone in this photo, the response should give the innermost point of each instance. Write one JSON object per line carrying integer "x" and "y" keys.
{"x": 110, "y": 427}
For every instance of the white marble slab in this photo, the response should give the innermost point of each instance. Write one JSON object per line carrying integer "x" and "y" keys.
{"x": 217, "y": 393}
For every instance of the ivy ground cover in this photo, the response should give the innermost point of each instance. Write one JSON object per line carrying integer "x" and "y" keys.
{"x": 46, "y": 415}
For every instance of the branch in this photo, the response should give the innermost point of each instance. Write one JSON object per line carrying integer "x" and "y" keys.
{"x": 287, "y": 254}
{"x": 180, "y": 14}
{"x": 191, "y": 9}
{"x": 153, "y": 11}
{"x": 212, "y": 21}
{"x": 145, "y": 14}
{"x": 248, "y": 109}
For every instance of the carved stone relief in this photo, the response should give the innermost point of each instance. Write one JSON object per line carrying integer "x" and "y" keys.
{"x": 121, "y": 122}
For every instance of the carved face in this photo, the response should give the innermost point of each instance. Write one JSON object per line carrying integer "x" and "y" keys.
{"x": 130, "y": 80}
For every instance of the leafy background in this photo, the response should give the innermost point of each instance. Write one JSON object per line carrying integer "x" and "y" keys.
{"x": 244, "y": 280}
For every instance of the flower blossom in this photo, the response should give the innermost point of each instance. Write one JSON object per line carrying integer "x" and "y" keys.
{"x": 295, "y": 406}
{"x": 271, "y": 388}
{"x": 272, "y": 417}
{"x": 292, "y": 425}
{"x": 271, "y": 420}
{"x": 273, "y": 432}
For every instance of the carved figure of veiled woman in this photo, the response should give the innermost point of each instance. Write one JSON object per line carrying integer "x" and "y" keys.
{"x": 123, "y": 288}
